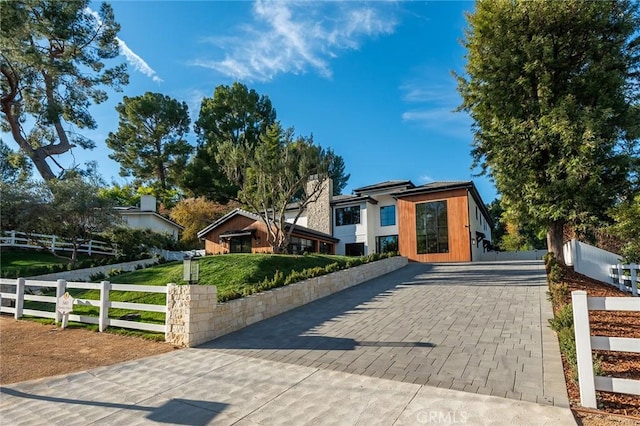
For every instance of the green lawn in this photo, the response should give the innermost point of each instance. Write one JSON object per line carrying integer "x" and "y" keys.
{"x": 15, "y": 263}
{"x": 230, "y": 273}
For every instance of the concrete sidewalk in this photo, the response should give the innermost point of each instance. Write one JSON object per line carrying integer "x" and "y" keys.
{"x": 204, "y": 386}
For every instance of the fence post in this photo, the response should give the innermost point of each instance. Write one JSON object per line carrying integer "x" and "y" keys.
{"x": 582, "y": 329}
{"x": 621, "y": 285}
{"x": 19, "y": 297}
{"x": 13, "y": 238}
{"x": 634, "y": 278}
{"x": 61, "y": 287}
{"x": 89, "y": 251}
{"x": 103, "y": 320}
{"x": 53, "y": 243}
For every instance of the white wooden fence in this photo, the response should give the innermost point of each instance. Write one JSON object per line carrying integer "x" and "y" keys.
{"x": 103, "y": 303}
{"x": 585, "y": 343}
{"x": 625, "y": 277}
{"x": 53, "y": 243}
{"x": 589, "y": 260}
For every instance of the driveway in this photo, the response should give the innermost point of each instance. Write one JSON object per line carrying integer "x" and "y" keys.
{"x": 474, "y": 327}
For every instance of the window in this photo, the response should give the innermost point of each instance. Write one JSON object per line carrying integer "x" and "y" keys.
{"x": 354, "y": 249}
{"x": 301, "y": 245}
{"x": 387, "y": 244}
{"x": 432, "y": 233}
{"x": 347, "y": 215}
{"x": 326, "y": 248}
{"x": 240, "y": 244}
{"x": 387, "y": 215}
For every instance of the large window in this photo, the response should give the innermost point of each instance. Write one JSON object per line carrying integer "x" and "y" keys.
{"x": 387, "y": 215}
{"x": 432, "y": 232}
{"x": 301, "y": 245}
{"x": 347, "y": 215}
{"x": 354, "y": 249}
{"x": 240, "y": 244}
{"x": 387, "y": 244}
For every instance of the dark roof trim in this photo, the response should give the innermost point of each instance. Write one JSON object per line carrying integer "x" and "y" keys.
{"x": 353, "y": 200}
{"x": 384, "y": 185}
{"x": 304, "y": 231}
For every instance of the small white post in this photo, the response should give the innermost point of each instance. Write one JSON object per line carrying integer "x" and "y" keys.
{"x": 105, "y": 286}
{"x": 61, "y": 287}
{"x": 13, "y": 238}
{"x": 53, "y": 243}
{"x": 621, "y": 277}
{"x": 634, "y": 278}
{"x": 583, "y": 349}
{"x": 19, "y": 297}
{"x": 90, "y": 243}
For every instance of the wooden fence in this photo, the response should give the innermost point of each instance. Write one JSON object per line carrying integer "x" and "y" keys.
{"x": 625, "y": 277}
{"x": 585, "y": 343}
{"x": 61, "y": 286}
{"x": 53, "y": 243}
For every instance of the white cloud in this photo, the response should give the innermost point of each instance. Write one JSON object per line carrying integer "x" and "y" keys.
{"x": 294, "y": 37}
{"x": 425, "y": 179}
{"x": 132, "y": 58}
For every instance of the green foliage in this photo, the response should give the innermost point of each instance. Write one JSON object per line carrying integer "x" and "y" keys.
{"x": 194, "y": 214}
{"x": 133, "y": 243}
{"x": 567, "y": 341}
{"x": 150, "y": 143}
{"x": 563, "y": 318}
{"x": 549, "y": 86}
{"x": 556, "y": 274}
{"x": 235, "y": 115}
{"x": 626, "y": 227}
{"x": 52, "y": 69}
{"x": 558, "y": 294}
{"x": 337, "y": 173}
{"x": 14, "y": 166}
{"x": 276, "y": 172}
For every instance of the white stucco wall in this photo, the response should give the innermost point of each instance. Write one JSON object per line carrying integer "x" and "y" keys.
{"x": 150, "y": 221}
{"x": 348, "y": 234}
{"x": 478, "y": 222}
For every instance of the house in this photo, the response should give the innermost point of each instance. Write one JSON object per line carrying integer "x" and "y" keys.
{"x": 435, "y": 222}
{"x": 147, "y": 217}
{"x": 240, "y": 231}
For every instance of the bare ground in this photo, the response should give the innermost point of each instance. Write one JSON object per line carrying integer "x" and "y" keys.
{"x": 30, "y": 350}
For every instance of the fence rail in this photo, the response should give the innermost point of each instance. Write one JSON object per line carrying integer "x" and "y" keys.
{"x": 52, "y": 242}
{"x": 625, "y": 277}
{"x": 103, "y": 321}
{"x": 586, "y": 343}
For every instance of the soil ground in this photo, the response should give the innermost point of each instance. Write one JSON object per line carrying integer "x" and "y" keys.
{"x": 30, "y": 350}
{"x": 613, "y": 408}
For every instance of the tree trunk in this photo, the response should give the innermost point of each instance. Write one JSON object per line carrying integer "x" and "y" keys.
{"x": 554, "y": 240}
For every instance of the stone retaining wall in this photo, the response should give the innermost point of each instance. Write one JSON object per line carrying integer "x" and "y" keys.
{"x": 194, "y": 316}
{"x": 84, "y": 274}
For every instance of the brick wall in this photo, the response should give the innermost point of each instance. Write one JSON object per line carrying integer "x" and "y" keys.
{"x": 195, "y": 317}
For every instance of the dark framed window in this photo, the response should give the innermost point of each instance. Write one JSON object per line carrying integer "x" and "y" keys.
{"x": 387, "y": 244}
{"x": 240, "y": 244}
{"x": 347, "y": 215}
{"x": 326, "y": 248}
{"x": 387, "y": 215}
{"x": 432, "y": 231}
{"x": 354, "y": 249}
{"x": 301, "y": 245}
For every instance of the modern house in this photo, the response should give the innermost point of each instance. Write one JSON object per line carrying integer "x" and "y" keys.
{"x": 435, "y": 222}
{"x": 147, "y": 217}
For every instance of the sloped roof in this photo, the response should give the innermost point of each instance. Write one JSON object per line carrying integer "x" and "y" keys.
{"x": 348, "y": 199}
{"x": 135, "y": 211}
{"x": 388, "y": 184}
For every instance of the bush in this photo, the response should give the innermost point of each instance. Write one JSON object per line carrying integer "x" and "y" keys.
{"x": 567, "y": 340}
{"x": 558, "y": 294}
{"x": 556, "y": 274}
{"x": 563, "y": 318}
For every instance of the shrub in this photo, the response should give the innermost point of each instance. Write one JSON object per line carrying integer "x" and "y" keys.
{"x": 567, "y": 340}
{"x": 97, "y": 276}
{"x": 563, "y": 318}
{"x": 556, "y": 274}
{"x": 558, "y": 294}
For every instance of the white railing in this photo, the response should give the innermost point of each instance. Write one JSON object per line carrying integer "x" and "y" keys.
{"x": 52, "y": 242}
{"x": 589, "y": 260}
{"x": 61, "y": 286}
{"x": 585, "y": 343}
{"x": 625, "y": 277}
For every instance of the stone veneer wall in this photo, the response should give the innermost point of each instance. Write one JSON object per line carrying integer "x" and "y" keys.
{"x": 195, "y": 317}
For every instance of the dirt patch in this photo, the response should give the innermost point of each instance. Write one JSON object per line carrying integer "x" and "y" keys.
{"x": 613, "y": 408}
{"x": 30, "y": 350}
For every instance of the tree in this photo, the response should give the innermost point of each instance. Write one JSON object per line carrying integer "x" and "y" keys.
{"x": 195, "y": 214}
{"x": 274, "y": 173}
{"x": 52, "y": 68}
{"x": 336, "y": 173}
{"x": 626, "y": 227}
{"x": 235, "y": 115}
{"x": 14, "y": 166}
{"x": 149, "y": 143}
{"x": 552, "y": 89}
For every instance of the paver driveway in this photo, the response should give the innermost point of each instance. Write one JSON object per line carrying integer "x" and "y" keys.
{"x": 479, "y": 328}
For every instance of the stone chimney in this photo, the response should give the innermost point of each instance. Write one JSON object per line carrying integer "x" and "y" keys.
{"x": 148, "y": 203}
{"x": 319, "y": 212}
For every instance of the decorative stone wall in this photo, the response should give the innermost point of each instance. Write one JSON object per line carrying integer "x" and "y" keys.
{"x": 319, "y": 212}
{"x": 195, "y": 317}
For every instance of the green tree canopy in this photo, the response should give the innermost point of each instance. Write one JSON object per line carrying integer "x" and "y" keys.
{"x": 52, "y": 68}
{"x": 337, "y": 172}
{"x": 552, "y": 89}
{"x": 233, "y": 115}
{"x": 149, "y": 143}
{"x": 274, "y": 173}
{"x": 14, "y": 166}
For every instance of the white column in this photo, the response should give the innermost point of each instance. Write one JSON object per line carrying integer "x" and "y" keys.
{"x": 634, "y": 278}
{"x": 103, "y": 319}
{"x": 19, "y": 297}
{"x": 583, "y": 349}
{"x": 61, "y": 287}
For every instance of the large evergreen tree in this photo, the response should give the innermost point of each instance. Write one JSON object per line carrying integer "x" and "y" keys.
{"x": 52, "y": 69}
{"x": 552, "y": 88}
{"x": 150, "y": 142}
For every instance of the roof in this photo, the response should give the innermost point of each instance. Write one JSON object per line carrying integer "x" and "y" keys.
{"x": 449, "y": 185}
{"x": 386, "y": 185}
{"x": 134, "y": 211}
{"x": 350, "y": 199}
{"x": 298, "y": 229}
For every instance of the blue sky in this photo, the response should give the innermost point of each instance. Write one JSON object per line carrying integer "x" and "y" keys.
{"x": 370, "y": 80}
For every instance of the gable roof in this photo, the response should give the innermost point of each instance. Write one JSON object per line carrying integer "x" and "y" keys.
{"x": 298, "y": 229}
{"x": 386, "y": 185}
{"x": 350, "y": 199}
{"x": 135, "y": 211}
